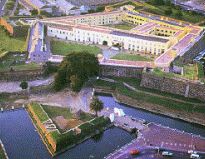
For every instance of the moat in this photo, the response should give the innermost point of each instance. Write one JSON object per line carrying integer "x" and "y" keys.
{"x": 21, "y": 140}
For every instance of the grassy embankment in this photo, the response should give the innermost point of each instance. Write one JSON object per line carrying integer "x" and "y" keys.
{"x": 2, "y": 155}
{"x": 145, "y": 95}
{"x": 64, "y": 48}
{"x": 9, "y": 59}
{"x": 190, "y": 72}
{"x": 57, "y": 141}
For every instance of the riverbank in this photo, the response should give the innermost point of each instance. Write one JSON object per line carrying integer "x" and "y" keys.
{"x": 3, "y": 154}
{"x": 188, "y": 117}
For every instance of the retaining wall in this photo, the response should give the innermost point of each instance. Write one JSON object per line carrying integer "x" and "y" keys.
{"x": 176, "y": 86}
{"x": 120, "y": 71}
{"x": 21, "y": 75}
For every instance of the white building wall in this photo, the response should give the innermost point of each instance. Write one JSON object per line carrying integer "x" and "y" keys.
{"x": 89, "y": 36}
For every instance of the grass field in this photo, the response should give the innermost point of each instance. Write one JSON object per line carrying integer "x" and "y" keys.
{"x": 65, "y": 112}
{"x": 131, "y": 57}
{"x": 190, "y": 72}
{"x": 8, "y": 43}
{"x": 17, "y": 62}
{"x": 64, "y": 48}
{"x": 124, "y": 26}
{"x": 39, "y": 111}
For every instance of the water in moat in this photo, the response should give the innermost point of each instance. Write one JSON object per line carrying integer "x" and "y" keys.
{"x": 21, "y": 139}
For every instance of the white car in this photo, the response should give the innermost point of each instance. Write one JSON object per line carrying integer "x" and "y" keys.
{"x": 166, "y": 153}
{"x": 194, "y": 155}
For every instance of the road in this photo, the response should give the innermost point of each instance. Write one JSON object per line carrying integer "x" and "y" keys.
{"x": 2, "y": 3}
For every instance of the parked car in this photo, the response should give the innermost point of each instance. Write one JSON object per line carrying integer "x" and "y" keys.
{"x": 134, "y": 152}
{"x": 166, "y": 153}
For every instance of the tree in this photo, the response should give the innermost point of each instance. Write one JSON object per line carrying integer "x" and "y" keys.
{"x": 24, "y": 85}
{"x": 34, "y": 12}
{"x": 168, "y": 11}
{"x": 178, "y": 14}
{"x": 75, "y": 83}
{"x": 168, "y": 2}
{"x": 156, "y": 2}
{"x": 96, "y": 105}
{"x": 80, "y": 65}
{"x": 49, "y": 68}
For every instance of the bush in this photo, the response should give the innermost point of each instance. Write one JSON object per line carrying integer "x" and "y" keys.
{"x": 101, "y": 122}
{"x": 66, "y": 140}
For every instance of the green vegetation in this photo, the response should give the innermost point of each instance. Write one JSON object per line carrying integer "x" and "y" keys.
{"x": 189, "y": 72}
{"x": 2, "y": 155}
{"x": 71, "y": 137}
{"x": 8, "y": 43}
{"x": 10, "y": 4}
{"x": 124, "y": 26}
{"x": 96, "y": 105}
{"x": 201, "y": 72}
{"x": 75, "y": 69}
{"x": 64, "y": 48}
{"x": 15, "y": 61}
{"x": 53, "y": 112}
{"x": 131, "y": 57}
{"x": 165, "y": 8}
{"x": 146, "y": 95}
{"x": 38, "y": 110}
{"x": 24, "y": 85}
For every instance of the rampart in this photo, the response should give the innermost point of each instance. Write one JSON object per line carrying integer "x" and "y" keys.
{"x": 120, "y": 71}
{"x": 175, "y": 86}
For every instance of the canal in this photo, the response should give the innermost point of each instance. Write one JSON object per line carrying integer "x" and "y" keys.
{"x": 21, "y": 140}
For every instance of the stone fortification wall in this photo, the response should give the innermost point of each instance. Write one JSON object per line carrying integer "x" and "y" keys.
{"x": 120, "y": 71}
{"x": 26, "y": 75}
{"x": 176, "y": 86}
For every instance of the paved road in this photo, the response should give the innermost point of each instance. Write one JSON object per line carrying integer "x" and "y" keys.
{"x": 2, "y": 3}
{"x": 11, "y": 87}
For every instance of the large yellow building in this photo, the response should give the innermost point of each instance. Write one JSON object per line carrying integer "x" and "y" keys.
{"x": 153, "y": 34}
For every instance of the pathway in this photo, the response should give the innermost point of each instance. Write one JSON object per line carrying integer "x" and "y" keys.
{"x": 13, "y": 87}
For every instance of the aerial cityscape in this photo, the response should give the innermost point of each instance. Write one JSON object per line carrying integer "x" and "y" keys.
{"x": 102, "y": 79}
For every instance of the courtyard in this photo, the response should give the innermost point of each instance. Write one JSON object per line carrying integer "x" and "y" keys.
{"x": 64, "y": 48}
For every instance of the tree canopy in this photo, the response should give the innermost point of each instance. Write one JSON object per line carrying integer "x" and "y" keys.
{"x": 75, "y": 69}
{"x": 24, "y": 85}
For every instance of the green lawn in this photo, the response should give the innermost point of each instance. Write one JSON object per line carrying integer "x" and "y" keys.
{"x": 124, "y": 26}
{"x": 8, "y": 43}
{"x": 39, "y": 111}
{"x": 57, "y": 111}
{"x": 190, "y": 72}
{"x": 64, "y": 48}
{"x": 65, "y": 112}
{"x": 131, "y": 57}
